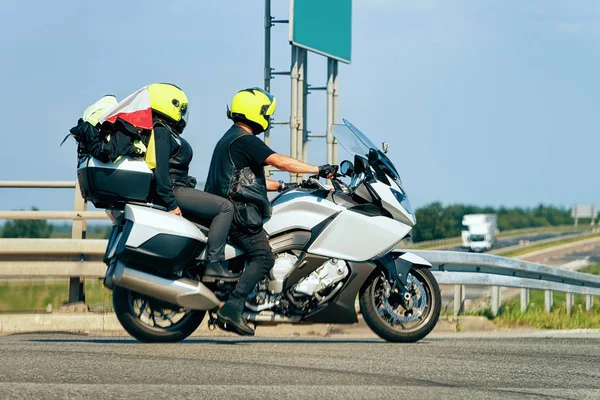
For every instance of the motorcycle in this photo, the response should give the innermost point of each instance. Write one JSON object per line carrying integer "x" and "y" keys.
{"x": 332, "y": 245}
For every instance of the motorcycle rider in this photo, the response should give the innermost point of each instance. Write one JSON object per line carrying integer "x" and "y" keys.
{"x": 174, "y": 187}
{"x": 237, "y": 173}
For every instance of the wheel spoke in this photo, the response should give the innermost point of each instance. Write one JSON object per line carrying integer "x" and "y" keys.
{"x": 142, "y": 307}
{"x": 167, "y": 316}
{"x": 156, "y": 314}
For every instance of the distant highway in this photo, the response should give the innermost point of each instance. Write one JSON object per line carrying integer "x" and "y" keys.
{"x": 513, "y": 241}
{"x": 576, "y": 251}
{"x": 492, "y": 366}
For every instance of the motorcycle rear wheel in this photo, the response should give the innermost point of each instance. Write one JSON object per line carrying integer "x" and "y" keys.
{"x": 394, "y": 322}
{"x": 146, "y": 319}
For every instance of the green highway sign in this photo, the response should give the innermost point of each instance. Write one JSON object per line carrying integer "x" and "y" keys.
{"x": 323, "y": 27}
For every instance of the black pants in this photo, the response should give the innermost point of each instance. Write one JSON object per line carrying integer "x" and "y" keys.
{"x": 260, "y": 261}
{"x": 206, "y": 208}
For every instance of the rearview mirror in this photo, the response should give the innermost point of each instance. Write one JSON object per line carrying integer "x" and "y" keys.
{"x": 373, "y": 156}
{"x": 347, "y": 168}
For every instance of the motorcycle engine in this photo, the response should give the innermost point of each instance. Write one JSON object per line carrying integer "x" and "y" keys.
{"x": 267, "y": 294}
{"x": 324, "y": 277}
{"x": 311, "y": 291}
{"x": 284, "y": 263}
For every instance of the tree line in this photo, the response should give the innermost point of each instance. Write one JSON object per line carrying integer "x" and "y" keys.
{"x": 36, "y": 229}
{"x": 435, "y": 221}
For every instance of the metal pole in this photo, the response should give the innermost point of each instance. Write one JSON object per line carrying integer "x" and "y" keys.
{"x": 589, "y": 302}
{"x": 495, "y": 300}
{"x": 548, "y": 301}
{"x": 524, "y": 299}
{"x": 569, "y": 302}
{"x": 300, "y": 100}
{"x": 329, "y": 111}
{"x": 78, "y": 231}
{"x": 457, "y": 300}
{"x": 460, "y": 295}
{"x": 268, "y": 25}
{"x": 305, "y": 110}
{"x": 294, "y": 107}
{"x": 335, "y": 107}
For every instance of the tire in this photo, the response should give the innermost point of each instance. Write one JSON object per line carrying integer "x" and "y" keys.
{"x": 123, "y": 300}
{"x": 382, "y": 327}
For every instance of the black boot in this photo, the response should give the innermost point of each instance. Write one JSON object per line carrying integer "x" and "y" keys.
{"x": 233, "y": 320}
{"x": 215, "y": 271}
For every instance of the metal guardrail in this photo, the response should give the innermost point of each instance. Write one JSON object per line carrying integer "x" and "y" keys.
{"x": 77, "y": 258}
{"x": 37, "y": 215}
{"x": 460, "y": 269}
{"x": 52, "y": 258}
{"x": 12, "y": 265}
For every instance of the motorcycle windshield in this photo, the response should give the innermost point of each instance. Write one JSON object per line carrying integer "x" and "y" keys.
{"x": 357, "y": 143}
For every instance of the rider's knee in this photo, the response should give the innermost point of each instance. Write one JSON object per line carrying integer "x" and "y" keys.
{"x": 226, "y": 207}
{"x": 266, "y": 257}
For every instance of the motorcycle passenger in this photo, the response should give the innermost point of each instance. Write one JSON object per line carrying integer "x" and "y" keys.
{"x": 174, "y": 187}
{"x": 237, "y": 173}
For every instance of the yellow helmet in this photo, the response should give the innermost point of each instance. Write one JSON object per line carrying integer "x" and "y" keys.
{"x": 254, "y": 107}
{"x": 170, "y": 102}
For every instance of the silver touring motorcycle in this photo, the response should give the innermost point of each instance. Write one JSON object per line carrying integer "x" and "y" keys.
{"x": 332, "y": 245}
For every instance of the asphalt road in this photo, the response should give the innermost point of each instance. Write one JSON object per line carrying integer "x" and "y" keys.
{"x": 513, "y": 241}
{"x": 493, "y": 366}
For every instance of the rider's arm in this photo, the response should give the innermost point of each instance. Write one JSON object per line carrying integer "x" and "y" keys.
{"x": 289, "y": 164}
{"x": 272, "y": 186}
{"x": 164, "y": 189}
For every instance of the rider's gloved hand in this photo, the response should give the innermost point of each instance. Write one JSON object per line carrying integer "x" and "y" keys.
{"x": 287, "y": 185}
{"x": 327, "y": 171}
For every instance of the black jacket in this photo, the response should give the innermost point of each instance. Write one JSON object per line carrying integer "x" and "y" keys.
{"x": 179, "y": 165}
{"x": 223, "y": 173}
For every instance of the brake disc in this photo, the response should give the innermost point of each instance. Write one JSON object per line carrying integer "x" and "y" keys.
{"x": 418, "y": 303}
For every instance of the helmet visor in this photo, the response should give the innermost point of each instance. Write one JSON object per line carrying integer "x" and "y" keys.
{"x": 184, "y": 112}
{"x": 268, "y": 109}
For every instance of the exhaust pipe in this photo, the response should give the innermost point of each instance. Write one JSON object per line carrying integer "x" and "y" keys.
{"x": 270, "y": 318}
{"x": 183, "y": 292}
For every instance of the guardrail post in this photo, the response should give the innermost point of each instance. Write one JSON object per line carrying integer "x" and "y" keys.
{"x": 589, "y": 302}
{"x": 524, "y": 299}
{"x": 496, "y": 301}
{"x": 459, "y": 299}
{"x": 78, "y": 231}
{"x": 570, "y": 302}
{"x": 548, "y": 300}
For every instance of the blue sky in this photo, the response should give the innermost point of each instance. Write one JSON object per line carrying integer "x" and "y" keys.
{"x": 483, "y": 102}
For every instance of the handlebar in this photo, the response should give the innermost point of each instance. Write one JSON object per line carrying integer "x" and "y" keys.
{"x": 314, "y": 182}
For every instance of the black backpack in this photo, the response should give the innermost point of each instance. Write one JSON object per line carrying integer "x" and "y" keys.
{"x": 108, "y": 142}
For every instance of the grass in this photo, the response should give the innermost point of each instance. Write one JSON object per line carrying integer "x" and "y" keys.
{"x": 36, "y": 295}
{"x": 547, "y": 245}
{"x": 510, "y": 315}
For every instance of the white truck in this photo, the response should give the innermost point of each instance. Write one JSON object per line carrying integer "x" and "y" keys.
{"x": 479, "y": 231}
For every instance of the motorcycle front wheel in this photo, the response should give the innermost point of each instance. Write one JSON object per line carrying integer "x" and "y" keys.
{"x": 397, "y": 318}
{"x": 153, "y": 321}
